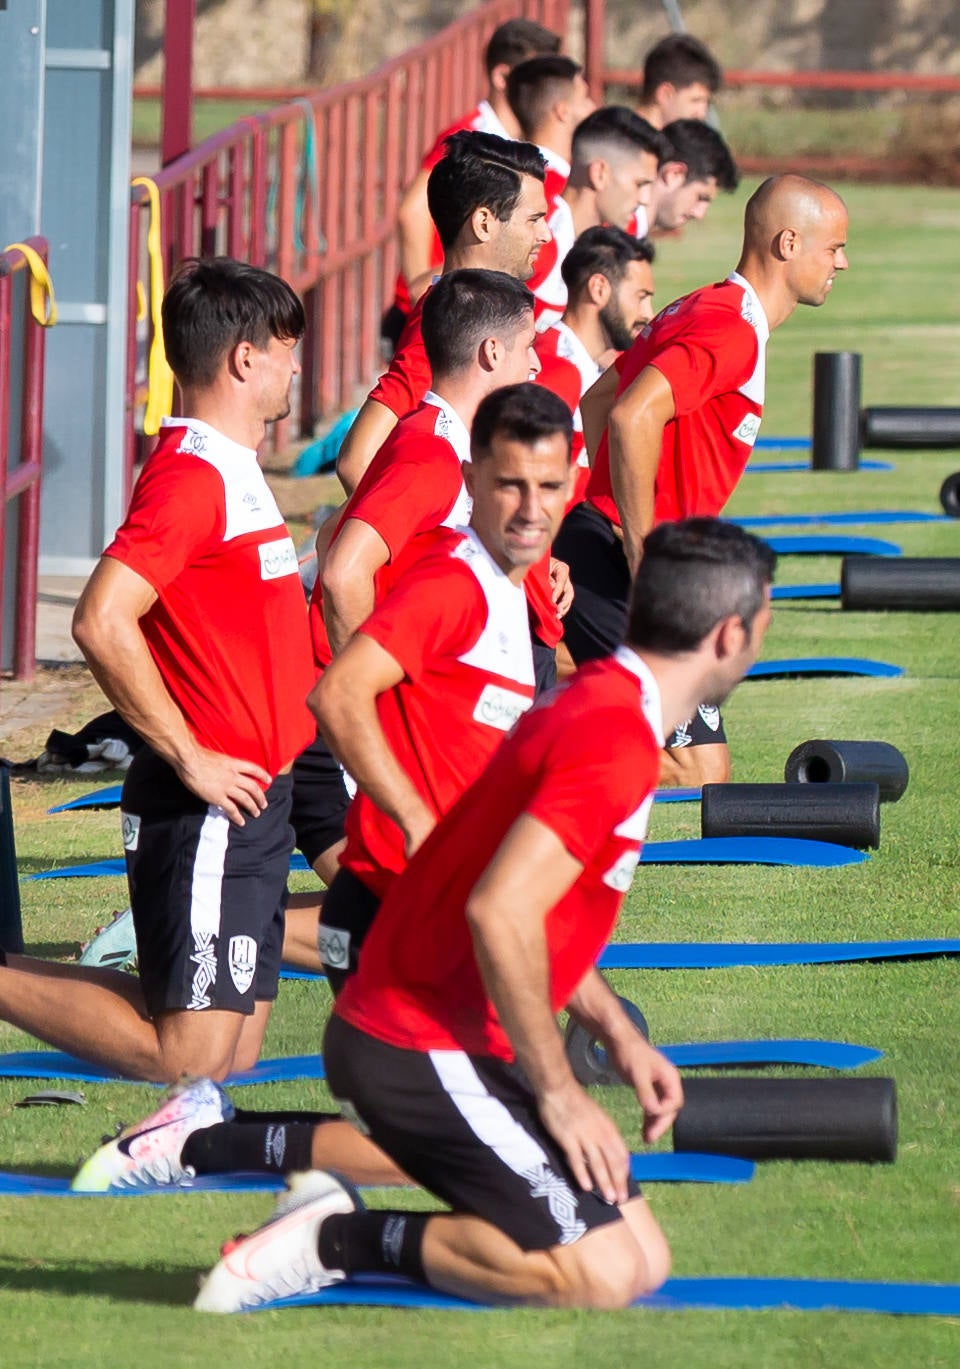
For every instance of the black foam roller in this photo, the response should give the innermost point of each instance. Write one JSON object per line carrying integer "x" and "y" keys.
{"x": 919, "y": 583}
{"x": 789, "y": 1119}
{"x": 950, "y": 495}
{"x": 888, "y": 426}
{"x": 848, "y": 814}
{"x": 827, "y": 762}
{"x": 835, "y": 444}
{"x": 11, "y": 929}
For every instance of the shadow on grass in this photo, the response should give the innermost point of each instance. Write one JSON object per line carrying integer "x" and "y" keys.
{"x": 166, "y": 1287}
{"x": 52, "y": 950}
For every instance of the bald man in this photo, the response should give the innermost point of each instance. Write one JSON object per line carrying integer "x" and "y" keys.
{"x": 673, "y": 423}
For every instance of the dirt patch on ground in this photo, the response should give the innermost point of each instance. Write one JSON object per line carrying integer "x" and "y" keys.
{"x": 63, "y": 696}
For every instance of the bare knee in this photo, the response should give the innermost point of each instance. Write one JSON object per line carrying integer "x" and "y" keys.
{"x": 694, "y": 766}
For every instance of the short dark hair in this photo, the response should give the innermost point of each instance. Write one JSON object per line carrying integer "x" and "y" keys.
{"x": 693, "y": 574}
{"x": 479, "y": 170}
{"x": 214, "y": 303}
{"x": 682, "y": 60}
{"x": 525, "y": 413}
{"x": 703, "y": 150}
{"x": 466, "y": 306}
{"x": 516, "y": 40}
{"x": 533, "y": 85}
{"x": 616, "y": 128}
{"x": 602, "y": 249}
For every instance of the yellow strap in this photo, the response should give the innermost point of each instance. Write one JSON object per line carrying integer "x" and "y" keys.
{"x": 43, "y": 305}
{"x": 159, "y": 375}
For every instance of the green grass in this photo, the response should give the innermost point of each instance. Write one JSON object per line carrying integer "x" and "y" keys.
{"x": 85, "y": 1282}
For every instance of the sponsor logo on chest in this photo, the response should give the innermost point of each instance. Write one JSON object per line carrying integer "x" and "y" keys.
{"x": 499, "y": 707}
{"x": 277, "y": 559}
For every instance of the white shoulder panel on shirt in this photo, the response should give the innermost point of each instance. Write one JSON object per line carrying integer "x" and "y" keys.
{"x": 503, "y": 647}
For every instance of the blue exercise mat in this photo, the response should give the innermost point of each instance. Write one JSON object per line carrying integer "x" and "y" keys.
{"x": 708, "y": 955}
{"x": 806, "y": 1295}
{"x": 108, "y": 797}
{"x": 695, "y": 851}
{"x": 661, "y": 1167}
{"x": 750, "y": 851}
{"x": 831, "y": 544}
{"x": 676, "y": 796}
{"x": 864, "y": 517}
{"x": 708, "y": 1055}
{"x": 775, "y": 467}
{"x": 781, "y": 444}
{"x": 806, "y": 591}
{"x": 825, "y": 665}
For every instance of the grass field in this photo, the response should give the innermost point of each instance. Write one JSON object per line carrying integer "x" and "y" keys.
{"x": 90, "y": 1281}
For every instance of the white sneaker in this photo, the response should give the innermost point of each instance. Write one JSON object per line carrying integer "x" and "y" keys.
{"x": 114, "y": 946}
{"x": 148, "y": 1155}
{"x": 280, "y": 1259}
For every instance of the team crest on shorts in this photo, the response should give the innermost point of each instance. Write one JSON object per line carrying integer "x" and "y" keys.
{"x": 334, "y": 946}
{"x": 130, "y": 830}
{"x": 242, "y": 959}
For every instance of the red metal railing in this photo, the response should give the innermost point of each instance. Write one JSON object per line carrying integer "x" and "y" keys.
{"x": 311, "y": 190}
{"x": 22, "y": 338}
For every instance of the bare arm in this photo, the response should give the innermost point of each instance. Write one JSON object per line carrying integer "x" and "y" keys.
{"x": 506, "y": 911}
{"x": 636, "y": 425}
{"x": 368, "y": 432}
{"x": 346, "y": 575}
{"x": 106, "y": 627}
{"x": 654, "y": 1080}
{"x": 344, "y": 702}
{"x": 595, "y": 409}
{"x": 415, "y": 228}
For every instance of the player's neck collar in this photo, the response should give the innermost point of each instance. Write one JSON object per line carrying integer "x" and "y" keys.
{"x": 629, "y": 659}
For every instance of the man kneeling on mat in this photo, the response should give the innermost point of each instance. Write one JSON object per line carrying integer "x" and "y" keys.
{"x": 444, "y": 1045}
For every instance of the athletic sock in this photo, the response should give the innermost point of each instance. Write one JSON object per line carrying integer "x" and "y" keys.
{"x": 288, "y": 1115}
{"x": 374, "y": 1243}
{"x": 249, "y": 1148}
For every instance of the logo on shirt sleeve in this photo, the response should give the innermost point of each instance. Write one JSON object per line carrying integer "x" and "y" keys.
{"x": 278, "y": 559}
{"x": 620, "y": 875}
{"x": 748, "y": 429}
{"x": 499, "y": 707}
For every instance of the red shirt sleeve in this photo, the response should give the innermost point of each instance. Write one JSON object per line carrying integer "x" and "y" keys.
{"x": 408, "y": 377}
{"x": 409, "y": 494}
{"x": 436, "y": 609}
{"x": 715, "y": 356}
{"x": 582, "y": 796}
{"x": 176, "y": 514}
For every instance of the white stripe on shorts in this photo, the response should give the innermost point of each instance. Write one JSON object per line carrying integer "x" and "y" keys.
{"x": 494, "y": 1125}
{"x": 206, "y": 896}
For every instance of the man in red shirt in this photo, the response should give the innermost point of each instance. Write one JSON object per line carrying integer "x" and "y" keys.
{"x": 550, "y": 97}
{"x": 614, "y": 166}
{"x": 420, "y": 248}
{"x": 415, "y": 706}
{"x": 445, "y": 1043}
{"x": 486, "y": 199}
{"x": 680, "y": 77}
{"x": 674, "y": 421}
{"x": 180, "y": 624}
{"x": 698, "y": 165}
{"x": 609, "y": 279}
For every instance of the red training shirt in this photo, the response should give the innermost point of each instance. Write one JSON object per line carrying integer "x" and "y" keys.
{"x": 228, "y": 630}
{"x": 584, "y": 761}
{"x": 458, "y": 627}
{"x": 568, "y": 369}
{"x": 711, "y": 346}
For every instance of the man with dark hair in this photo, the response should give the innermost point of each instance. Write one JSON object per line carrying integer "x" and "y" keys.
{"x": 615, "y": 160}
{"x": 415, "y": 706}
{"x": 420, "y": 248}
{"x": 698, "y": 165}
{"x": 487, "y": 196}
{"x": 680, "y": 76}
{"x": 445, "y": 1042}
{"x": 609, "y": 279}
{"x": 180, "y": 623}
{"x": 550, "y": 97}
{"x": 673, "y": 423}
{"x": 477, "y": 333}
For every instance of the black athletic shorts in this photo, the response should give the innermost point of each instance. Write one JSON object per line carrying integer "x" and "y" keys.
{"x": 208, "y": 897}
{"x": 544, "y": 665}
{"x": 320, "y": 800}
{"x": 597, "y": 620}
{"x": 346, "y": 914}
{"x": 466, "y": 1127}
